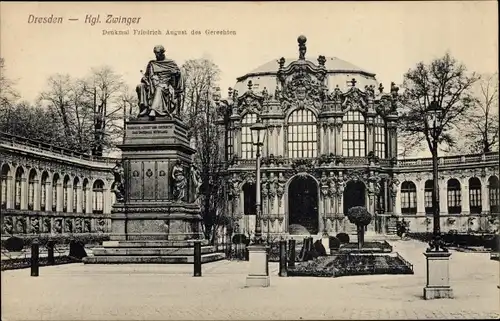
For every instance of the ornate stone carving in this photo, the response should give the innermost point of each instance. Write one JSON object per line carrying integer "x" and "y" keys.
{"x": 332, "y": 185}
{"x": 101, "y": 225}
{"x": 8, "y": 226}
{"x": 87, "y": 226}
{"x": 264, "y": 185}
{"x": 21, "y": 225}
{"x": 35, "y": 225}
{"x": 324, "y": 185}
{"x": 393, "y": 184}
{"x": 68, "y": 224}
{"x": 273, "y": 186}
{"x": 118, "y": 186}
{"x": 197, "y": 182}
{"x": 78, "y": 225}
{"x": 179, "y": 181}
{"x": 302, "y": 165}
{"x": 234, "y": 185}
{"x": 280, "y": 190}
{"x": 58, "y": 225}
{"x": 47, "y": 224}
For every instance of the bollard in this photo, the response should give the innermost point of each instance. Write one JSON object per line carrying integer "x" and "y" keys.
{"x": 197, "y": 259}
{"x": 247, "y": 255}
{"x": 283, "y": 257}
{"x": 50, "y": 253}
{"x": 35, "y": 256}
{"x": 291, "y": 260}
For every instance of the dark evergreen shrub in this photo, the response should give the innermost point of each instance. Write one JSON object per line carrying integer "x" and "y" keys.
{"x": 334, "y": 243}
{"x": 14, "y": 244}
{"x": 343, "y": 238}
{"x": 319, "y": 248}
{"x": 77, "y": 250}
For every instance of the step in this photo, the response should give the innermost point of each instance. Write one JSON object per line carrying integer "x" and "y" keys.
{"x": 152, "y": 243}
{"x": 149, "y": 251}
{"x": 152, "y": 259}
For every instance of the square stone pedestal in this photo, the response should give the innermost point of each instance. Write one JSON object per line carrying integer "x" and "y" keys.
{"x": 258, "y": 276}
{"x": 438, "y": 276}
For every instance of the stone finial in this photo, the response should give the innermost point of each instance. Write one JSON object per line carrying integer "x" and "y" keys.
{"x": 250, "y": 85}
{"x": 352, "y": 82}
{"x": 394, "y": 88}
{"x": 381, "y": 88}
{"x": 230, "y": 92}
{"x": 321, "y": 61}
{"x": 281, "y": 62}
{"x": 302, "y": 47}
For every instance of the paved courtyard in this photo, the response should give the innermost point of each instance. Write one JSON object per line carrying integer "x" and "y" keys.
{"x": 156, "y": 292}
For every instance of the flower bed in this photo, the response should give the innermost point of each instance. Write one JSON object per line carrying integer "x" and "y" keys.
{"x": 372, "y": 247}
{"x": 351, "y": 264}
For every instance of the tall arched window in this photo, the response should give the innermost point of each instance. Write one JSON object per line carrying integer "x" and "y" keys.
{"x": 475, "y": 195}
{"x": 428, "y": 192}
{"x": 247, "y": 148}
{"x": 18, "y": 187}
{"x": 408, "y": 198}
{"x": 65, "y": 193}
{"x": 249, "y": 199}
{"x": 31, "y": 189}
{"x": 302, "y": 134}
{"x": 98, "y": 197}
{"x": 85, "y": 191}
{"x": 55, "y": 194}
{"x": 380, "y": 137}
{"x": 4, "y": 179}
{"x": 493, "y": 194}
{"x": 43, "y": 191}
{"x": 76, "y": 181}
{"x": 353, "y": 134}
{"x": 454, "y": 197}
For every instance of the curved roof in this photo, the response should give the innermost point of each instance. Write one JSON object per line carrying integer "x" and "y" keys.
{"x": 332, "y": 64}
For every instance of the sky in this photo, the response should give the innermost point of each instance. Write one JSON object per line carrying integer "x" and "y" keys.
{"x": 381, "y": 37}
{"x": 386, "y": 38}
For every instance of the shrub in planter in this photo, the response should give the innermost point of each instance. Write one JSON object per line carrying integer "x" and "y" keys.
{"x": 77, "y": 250}
{"x": 343, "y": 238}
{"x": 359, "y": 216}
{"x": 14, "y": 244}
{"x": 239, "y": 239}
{"x": 334, "y": 243}
{"x": 319, "y": 248}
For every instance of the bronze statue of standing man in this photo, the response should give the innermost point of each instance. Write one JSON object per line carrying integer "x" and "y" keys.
{"x": 161, "y": 87}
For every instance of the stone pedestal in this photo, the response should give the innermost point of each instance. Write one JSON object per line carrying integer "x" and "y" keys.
{"x": 258, "y": 275}
{"x": 159, "y": 218}
{"x": 438, "y": 279}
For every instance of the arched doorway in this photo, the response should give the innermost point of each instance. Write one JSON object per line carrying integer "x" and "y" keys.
{"x": 303, "y": 206}
{"x": 354, "y": 195}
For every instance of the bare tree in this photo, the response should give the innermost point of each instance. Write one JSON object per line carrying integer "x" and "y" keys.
{"x": 481, "y": 126}
{"x": 200, "y": 78}
{"x": 8, "y": 94}
{"x": 446, "y": 81}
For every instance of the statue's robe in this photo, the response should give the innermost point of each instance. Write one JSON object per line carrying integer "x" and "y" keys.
{"x": 161, "y": 92}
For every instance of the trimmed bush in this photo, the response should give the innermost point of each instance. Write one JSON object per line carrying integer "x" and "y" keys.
{"x": 240, "y": 239}
{"x": 359, "y": 216}
{"x": 319, "y": 248}
{"x": 343, "y": 238}
{"x": 77, "y": 250}
{"x": 334, "y": 243}
{"x": 14, "y": 244}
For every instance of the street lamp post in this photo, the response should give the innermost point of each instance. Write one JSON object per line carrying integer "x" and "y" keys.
{"x": 258, "y": 275}
{"x": 437, "y": 255}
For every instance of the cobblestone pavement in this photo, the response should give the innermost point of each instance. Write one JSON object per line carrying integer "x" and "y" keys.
{"x": 156, "y": 292}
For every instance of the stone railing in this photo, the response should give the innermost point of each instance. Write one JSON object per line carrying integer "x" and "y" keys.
{"x": 450, "y": 160}
{"x": 48, "y": 149}
{"x": 28, "y": 222}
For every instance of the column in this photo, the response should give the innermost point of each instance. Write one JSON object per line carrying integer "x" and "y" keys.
{"x": 443, "y": 196}
{"x": 397, "y": 205}
{"x": 485, "y": 196}
{"x": 338, "y": 137}
{"x": 421, "y": 198}
{"x": 48, "y": 192}
{"x": 280, "y": 140}
{"x": 24, "y": 193}
{"x": 37, "y": 187}
{"x": 59, "y": 201}
{"x": 464, "y": 184}
{"x": 70, "y": 198}
{"x": 79, "y": 196}
{"x": 10, "y": 192}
